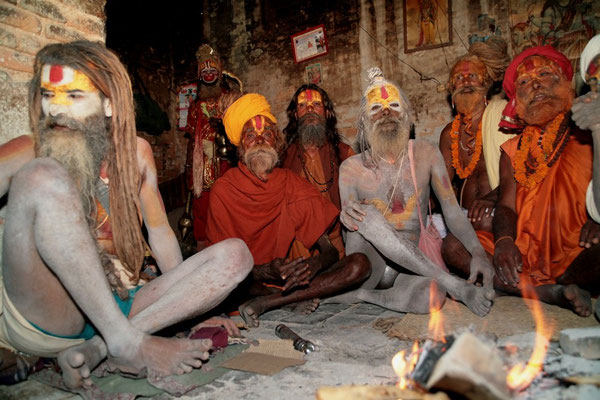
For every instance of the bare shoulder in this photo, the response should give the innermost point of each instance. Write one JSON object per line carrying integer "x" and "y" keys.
{"x": 20, "y": 144}
{"x": 423, "y": 147}
{"x": 352, "y": 162}
{"x": 445, "y": 135}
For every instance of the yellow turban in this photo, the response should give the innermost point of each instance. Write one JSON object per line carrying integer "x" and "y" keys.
{"x": 241, "y": 111}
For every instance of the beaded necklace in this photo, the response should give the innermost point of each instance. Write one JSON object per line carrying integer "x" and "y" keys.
{"x": 455, "y": 135}
{"x": 310, "y": 176}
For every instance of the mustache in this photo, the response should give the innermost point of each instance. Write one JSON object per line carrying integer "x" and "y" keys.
{"x": 468, "y": 89}
{"x": 50, "y": 122}
{"x": 311, "y": 114}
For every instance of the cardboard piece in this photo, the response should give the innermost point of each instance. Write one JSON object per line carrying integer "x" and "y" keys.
{"x": 268, "y": 358}
{"x": 508, "y": 316}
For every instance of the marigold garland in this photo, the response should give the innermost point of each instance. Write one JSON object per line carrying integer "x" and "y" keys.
{"x": 455, "y": 135}
{"x": 542, "y": 160}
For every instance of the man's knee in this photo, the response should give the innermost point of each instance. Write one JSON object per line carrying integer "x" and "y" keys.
{"x": 235, "y": 254}
{"x": 44, "y": 175}
{"x": 358, "y": 267}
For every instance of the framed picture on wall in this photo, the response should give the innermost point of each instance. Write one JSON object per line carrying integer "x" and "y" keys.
{"x": 314, "y": 74}
{"x": 427, "y": 24}
{"x": 309, "y": 43}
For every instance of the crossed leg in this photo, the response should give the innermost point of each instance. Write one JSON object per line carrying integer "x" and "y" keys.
{"x": 54, "y": 277}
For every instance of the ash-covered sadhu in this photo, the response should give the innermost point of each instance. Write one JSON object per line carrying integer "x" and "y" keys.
{"x": 269, "y": 208}
{"x": 78, "y": 193}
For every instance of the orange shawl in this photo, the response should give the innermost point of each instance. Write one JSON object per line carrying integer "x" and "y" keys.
{"x": 268, "y": 216}
{"x": 551, "y": 214}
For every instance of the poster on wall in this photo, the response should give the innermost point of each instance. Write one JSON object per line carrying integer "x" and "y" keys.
{"x": 314, "y": 74}
{"x": 309, "y": 44}
{"x": 567, "y": 25}
{"x": 427, "y": 24}
{"x": 187, "y": 93}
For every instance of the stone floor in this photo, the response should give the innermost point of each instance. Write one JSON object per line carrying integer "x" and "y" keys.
{"x": 349, "y": 351}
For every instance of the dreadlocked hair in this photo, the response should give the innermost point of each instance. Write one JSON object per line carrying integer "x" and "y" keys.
{"x": 291, "y": 130}
{"x": 108, "y": 74}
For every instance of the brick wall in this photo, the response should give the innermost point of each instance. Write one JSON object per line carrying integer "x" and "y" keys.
{"x": 25, "y": 27}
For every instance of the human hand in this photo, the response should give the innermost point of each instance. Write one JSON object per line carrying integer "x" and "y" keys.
{"x": 300, "y": 272}
{"x": 508, "y": 262}
{"x": 480, "y": 265}
{"x": 586, "y": 111}
{"x": 352, "y": 211}
{"x": 227, "y": 323}
{"x": 590, "y": 234}
{"x": 480, "y": 208}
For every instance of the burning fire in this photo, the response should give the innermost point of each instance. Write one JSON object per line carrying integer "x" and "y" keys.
{"x": 404, "y": 365}
{"x": 520, "y": 376}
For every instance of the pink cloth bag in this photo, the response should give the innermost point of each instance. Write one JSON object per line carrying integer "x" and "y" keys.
{"x": 430, "y": 241}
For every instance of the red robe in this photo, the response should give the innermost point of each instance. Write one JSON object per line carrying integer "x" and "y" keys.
{"x": 268, "y": 216}
{"x": 551, "y": 214}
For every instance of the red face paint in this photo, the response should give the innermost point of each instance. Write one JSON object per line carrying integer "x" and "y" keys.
{"x": 56, "y": 73}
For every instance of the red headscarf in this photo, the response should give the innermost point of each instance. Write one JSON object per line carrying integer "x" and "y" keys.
{"x": 510, "y": 76}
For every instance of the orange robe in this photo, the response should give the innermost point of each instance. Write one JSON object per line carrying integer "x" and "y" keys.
{"x": 551, "y": 214}
{"x": 321, "y": 168}
{"x": 268, "y": 216}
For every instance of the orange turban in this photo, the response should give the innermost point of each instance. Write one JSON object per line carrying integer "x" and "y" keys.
{"x": 241, "y": 111}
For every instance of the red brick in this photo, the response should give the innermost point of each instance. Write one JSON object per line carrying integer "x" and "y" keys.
{"x": 62, "y": 34}
{"x": 15, "y": 60}
{"x": 92, "y": 7}
{"x": 45, "y": 9}
{"x": 20, "y": 19}
{"x": 21, "y": 41}
{"x": 15, "y": 76}
{"x": 89, "y": 26}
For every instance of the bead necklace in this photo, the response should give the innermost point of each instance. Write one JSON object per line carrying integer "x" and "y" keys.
{"x": 455, "y": 135}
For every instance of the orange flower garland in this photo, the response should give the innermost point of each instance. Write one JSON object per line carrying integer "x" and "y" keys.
{"x": 542, "y": 160}
{"x": 455, "y": 135}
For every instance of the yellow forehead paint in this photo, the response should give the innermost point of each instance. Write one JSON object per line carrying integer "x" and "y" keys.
{"x": 384, "y": 95}
{"x": 309, "y": 97}
{"x": 258, "y": 123}
{"x": 60, "y": 80}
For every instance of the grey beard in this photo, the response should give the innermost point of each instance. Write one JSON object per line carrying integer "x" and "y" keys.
{"x": 80, "y": 150}
{"x": 312, "y": 134}
{"x": 261, "y": 159}
{"x": 388, "y": 136}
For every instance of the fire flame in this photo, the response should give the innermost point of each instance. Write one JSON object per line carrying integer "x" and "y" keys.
{"x": 520, "y": 376}
{"x": 436, "y": 320}
{"x": 404, "y": 366}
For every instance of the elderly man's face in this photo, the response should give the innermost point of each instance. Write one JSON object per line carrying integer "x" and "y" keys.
{"x": 258, "y": 130}
{"x": 310, "y": 111}
{"x": 468, "y": 73}
{"x": 71, "y": 93}
{"x": 310, "y": 101}
{"x": 259, "y": 143}
{"x": 542, "y": 91}
{"x": 383, "y": 101}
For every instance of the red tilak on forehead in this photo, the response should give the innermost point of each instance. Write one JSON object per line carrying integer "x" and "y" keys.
{"x": 529, "y": 64}
{"x": 384, "y": 93}
{"x": 56, "y": 73}
{"x": 309, "y": 95}
{"x": 258, "y": 122}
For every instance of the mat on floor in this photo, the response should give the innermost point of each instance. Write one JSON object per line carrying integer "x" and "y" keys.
{"x": 508, "y": 316}
{"x": 114, "y": 386}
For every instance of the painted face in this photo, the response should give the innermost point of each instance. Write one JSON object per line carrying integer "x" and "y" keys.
{"x": 381, "y": 98}
{"x": 208, "y": 71}
{"x": 468, "y": 73}
{"x": 592, "y": 76}
{"x": 310, "y": 101}
{"x": 258, "y": 130}
{"x": 542, "y": 90}
{"x": 68, "y": 91}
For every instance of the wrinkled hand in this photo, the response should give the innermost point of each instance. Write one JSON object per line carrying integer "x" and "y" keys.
{"x": 302, "y": 273}
{"x": 480, "y": 265}
{"x": 586, "y": 111}
{"x": 352, "y": 211}
{"x": 480, "y": 209}
{"x": 227, "y": 323}
{"x": 590, "y": 234}
{"x": 508, "y": 262}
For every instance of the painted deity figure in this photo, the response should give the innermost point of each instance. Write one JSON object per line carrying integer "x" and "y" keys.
{"x": 204, "y": 162}
{"x": 385, "y": 194}
{"x": 79, "y": 191}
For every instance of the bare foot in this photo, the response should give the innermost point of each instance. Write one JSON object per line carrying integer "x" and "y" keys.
{"x": 303, "y": 307}
{"x": 165, "y": 356}
{"x": 477, "y": 299}
{"x": 78, "y": 362}
{"x": 578, "y": 300}
{"x": 250, "y": 311}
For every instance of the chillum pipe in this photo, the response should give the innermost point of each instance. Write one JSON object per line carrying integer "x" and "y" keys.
{"x": 300, "y": 344}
